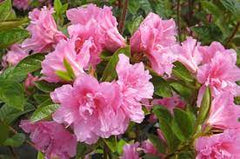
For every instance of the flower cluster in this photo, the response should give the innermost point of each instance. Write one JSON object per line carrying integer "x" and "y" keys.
{"x": 91, "y": 108}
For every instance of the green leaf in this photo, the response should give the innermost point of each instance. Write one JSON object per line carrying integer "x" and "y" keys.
{"x": 63, "y": 75}
{"x": 81, "y": 150}
{"x": 43, "y": 112}
{"x": 120, "y": 145}
{"x": 4, "y": 131}
{"x": 181, "y": 72}
{"x": 158, "y": 144}
{"x": 39, "y": 97}
{"x": 40, "y": 155}
{"x": 15, "y": 141}
{"x": 231, "y": 5}
{"x": 10, "y": 24}
{"x": 6, "y": 11}
{"x": 162, "y": 112}
{"x": 184, "y": 122}
{"x": 161, "y": 86}
{"x": 9, "y": 114}
{"x": 57, "y": 6}
{"x": 12, "y": 36}
{"x": 182, "y": 90}
{"x": 69, "y": 68}
{"x": 45, "y": 86}
{"x": 12, "y": 93}
{"x": 109, "y": 72}
{"x": 134, "y": 24}
{"x": 133, "y": 6}
{"x": 205, "y": 106}
{"x": 211, "y": 8}
{"x": 111, "y": 143}
{"x": 27, "y": 65}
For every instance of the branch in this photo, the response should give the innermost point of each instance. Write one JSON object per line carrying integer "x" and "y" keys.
{"x": 123, "y": 16}
{"x": 233, "y": 33}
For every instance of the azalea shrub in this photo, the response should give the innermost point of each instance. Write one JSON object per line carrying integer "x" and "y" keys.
{"x": 122, "y": 79}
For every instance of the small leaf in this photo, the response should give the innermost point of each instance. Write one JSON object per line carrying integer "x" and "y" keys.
{"x": 120, "y": 145}
{"x": 43, "y": 112}
{"x": 57, "y": 6}
{"x": 133, "y": 25}
{"x": 205, "y": 106}
{"x": 158, "y": 144}
{"x": 40, "y": 155}
{"x": 161, "y": 86}
{"x": 12, "y": 93}
{"x": 109, "y": 72}
{"x": 45, "y": 86}
{"x": 162, "y": 112}
{"x": 15, "y": 141}
{"x": 111, "y": 143}
{"x": 63, "y": 75}
{"x": 181, "y": 72}
{"x": 69, "y": 68}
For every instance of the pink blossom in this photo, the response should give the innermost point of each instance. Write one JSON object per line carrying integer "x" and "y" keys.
{"x": 92, "y": 108}
{"x": 219, "y": 146}
{"x": 149, "y": 148}
{"x": 14, "y": 55}
{"x": 224, "y": 114}
{"x": 135, "y": 86}
{"x": 29, "y": 81}
{"x": 105, "y": 25}
{"x": 21, "y": 4}
{"x": 51, "y": 138}
{"x": 74, "y": 51}
{"x": 220, "y": 74}
{"x": 44, "y": 32}
{"x": 155, "y": 37}
{"x": 130, "y": 151}
{"x": 170, "y": 102}
{"x": 189, "y": 55}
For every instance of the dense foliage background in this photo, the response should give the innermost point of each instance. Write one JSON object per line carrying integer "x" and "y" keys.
{"x": 205, "y": 20}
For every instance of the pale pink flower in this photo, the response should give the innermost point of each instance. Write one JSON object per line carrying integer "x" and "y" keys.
{"x": 189, "y": 55}
{"x": 14, "y": 55}
{"x": 155, "y": 37}
{"x": 21, "y": 4}
{"x": 219, "y": 146}
{"x": 135, "y": 86}
{"x": 91, "y": 108}
{"x": 74, "y": 51}
{"x": 105, "y": 25}
{"x": 170, "y": 102}
{"x": 51, "y": 138}
{"x": 130, "y": 151}
{"x": 44, "y": 32}
{"x": 224, "y": 114}
{"x": 220, "y": 74}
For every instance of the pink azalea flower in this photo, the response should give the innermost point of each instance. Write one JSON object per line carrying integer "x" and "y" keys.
{"x": 149, "y": 148}
{"x": 224, "y": 114}
{"x": 44, "y": 32}
{"x": 105, "y": 25}
{"x": 220, "y": 74}
{"x": 14, "y": 56}
{"x": 92, "y": 108}
{"x": 130, "y": 151}
{"x": 51, "y": 138}
{"x": 21, "y": 4}
{"x": 29, "y": 81}
{"x": 135, "y": 86}
{"x": 170, "y": 102}
{"x": 219, "y": 146}
{"x": 74, "y": 51}
{"x": 155, "y": 37}
{"x": 189, "y": 55}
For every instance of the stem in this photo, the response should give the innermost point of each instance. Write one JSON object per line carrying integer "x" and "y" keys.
{"x": 233, "y": 33}
{"x": 178, "y": 20}
{"x": 13, "y": 152}
{"x": 123, "y": 16}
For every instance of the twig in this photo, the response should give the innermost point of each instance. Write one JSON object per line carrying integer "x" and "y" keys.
{"x": 13, "y": 152}
{"x": 123, "y": 16}
{"x": 233, "y": 33}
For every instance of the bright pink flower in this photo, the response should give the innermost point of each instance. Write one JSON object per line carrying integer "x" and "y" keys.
{"x": 51, "y": 138}
{"x": 220, "y": 74}
{"x": 130, "y": 151}
{"x": 74, "y": 51}
{"x": 155, "y": 37}
{"x": 44, "y": 32}
{"x": 224, "y": 114}
{"x": 189, "y": 55}
{"x": 219, "y": 146}
{"x": 170, "y": 102}
{"x": 14, "y": 55}
{"x": 148, "y": 147}
{"x": 21, "y": 4}
{"x": 105, "y": 25}
{"x": 92, "y": 108}
{"x": 135, "y": 86}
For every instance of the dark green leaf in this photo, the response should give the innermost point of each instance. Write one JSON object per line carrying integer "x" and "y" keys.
{"x": 45, "y": 86}
{"x": 111, "y": 143}
{"x": 182, "y": 90}
{"x": 133, "y": 25}
{"x": 133, "y": 6}
{"x": 158, "y": 144}
{"x": 162, "y": 112}
{"x": 11, "y": 36}
{"x": 43, "y": 112}
{"x": 15, "y": 141}
{"x": 12, "y": 93}
{"x": 181, "y": 72}
{"x": 4, "y": 130}
{"x": 161, "y": 86}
